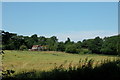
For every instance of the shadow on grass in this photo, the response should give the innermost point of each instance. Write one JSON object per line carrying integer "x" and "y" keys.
{"x": 106, "y": 70}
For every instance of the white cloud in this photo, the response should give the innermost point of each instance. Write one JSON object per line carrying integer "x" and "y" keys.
{"x": 81, "y": 35}
{"x": 77, "y": 35}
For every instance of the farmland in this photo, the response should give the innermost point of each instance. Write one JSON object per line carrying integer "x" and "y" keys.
{"x": 44, "y": 60}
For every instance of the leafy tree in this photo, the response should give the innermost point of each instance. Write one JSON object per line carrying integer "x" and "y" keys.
{"x": 28, "y": 42}
{"x": 71, "y": 49}
{"x": 7, "y": 39}
{"x": 67, "y": 41}
{"x": 23, "y": 47}
{"x": 86, "y": 43}
{"x": 42, "y": 40}
{"x": 78, "y": 45}
{"x": 61, "y": 46}
{"x": 110, "y": 45}
{"x": 54, "y": 39}
{"x": 52, "y": 43}
{"x": 95, "y": 45}
{"x": 34, "y": 38}
{"x": 118, "y": 45}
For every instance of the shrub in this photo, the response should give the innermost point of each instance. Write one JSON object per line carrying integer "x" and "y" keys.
{"x": 23, "y": 47}
{"x": 71, "y": 49}
{"x": 85, "y": 51}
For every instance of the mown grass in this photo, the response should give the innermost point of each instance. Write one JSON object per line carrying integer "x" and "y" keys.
{"x": 44, "y": 60}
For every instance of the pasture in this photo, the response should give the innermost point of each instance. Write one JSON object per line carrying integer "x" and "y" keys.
{"x": 44, "y": 60}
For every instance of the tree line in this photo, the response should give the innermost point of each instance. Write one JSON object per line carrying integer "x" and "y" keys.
{"x": 106, "y": 45}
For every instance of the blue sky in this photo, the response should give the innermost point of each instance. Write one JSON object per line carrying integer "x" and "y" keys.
{"x": 77, "y": 20}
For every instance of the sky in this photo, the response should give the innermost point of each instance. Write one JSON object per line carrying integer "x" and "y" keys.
{"x": 59, "y": 0}
{"x": 76, "y": 20}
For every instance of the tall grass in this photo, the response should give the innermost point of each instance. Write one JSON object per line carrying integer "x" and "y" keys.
{"x": 87, "y": 69}
{"x": 42, "y": 60}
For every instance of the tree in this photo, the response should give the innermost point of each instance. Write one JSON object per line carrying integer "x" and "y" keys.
{"x": 23, "y": 47}
{"x": 108, "y": 45}
{"x": 54, "y": 39}
{"x": 71, "y": 49}
{"x": 93, "y": 45}
{"x": 118, "y": 45}
{"x": 16, "y": 41}
{"x": 35, "y": 38}
{"x": 42, "y": 40}
{"x": 61, "y": 46}
{"x": 52, "y": 43}
{"x": 29, "y": 42}
{"x": 96, "y": 45}
{"x": 86, "y": 43}
{"x": 111, "y": 45}
{"x": 11, "y": 41}
{"x": 7, "y": 39}
{"x": 67, "y": 41}
{"x": 78, "y": 44}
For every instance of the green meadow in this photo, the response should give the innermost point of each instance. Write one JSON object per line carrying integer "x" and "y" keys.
{"x": 45, "y": 60}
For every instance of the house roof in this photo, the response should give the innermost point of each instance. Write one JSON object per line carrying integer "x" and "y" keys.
{"x": 36, "y": 46}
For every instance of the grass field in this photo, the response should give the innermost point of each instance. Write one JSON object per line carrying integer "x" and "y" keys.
{"x": 0, "y": 65}
{"x": 43, "y": 60}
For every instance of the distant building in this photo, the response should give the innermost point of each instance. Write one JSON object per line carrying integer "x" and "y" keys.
{"x": 38, "y": 48}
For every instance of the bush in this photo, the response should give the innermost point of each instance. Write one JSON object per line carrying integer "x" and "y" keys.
{"x": 71, "y": 49}
{"x": 85, "y": 51}
{"x": 23, "y": 47}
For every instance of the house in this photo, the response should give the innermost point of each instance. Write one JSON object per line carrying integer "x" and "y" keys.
{"x": 38, "y": 48}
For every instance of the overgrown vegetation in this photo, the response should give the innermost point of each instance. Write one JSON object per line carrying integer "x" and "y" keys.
{"x": 44, "y": 60}
{"x": 107, "y": 45}
{"x": 83, "y": 70}
{"x": 51, "y": 65}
